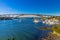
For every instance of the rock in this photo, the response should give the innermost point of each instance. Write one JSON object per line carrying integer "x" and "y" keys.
{"x": 52, "y": 36}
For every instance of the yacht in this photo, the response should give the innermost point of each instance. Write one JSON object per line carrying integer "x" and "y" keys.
{"x": 36, "y": 21}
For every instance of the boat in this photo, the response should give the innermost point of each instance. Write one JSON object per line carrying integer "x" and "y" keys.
{"x": 36, "y": 21}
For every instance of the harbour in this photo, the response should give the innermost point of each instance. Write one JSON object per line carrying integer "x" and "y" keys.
{"x": 20, "y": 29}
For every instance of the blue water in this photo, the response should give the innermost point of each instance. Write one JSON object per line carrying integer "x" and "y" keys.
{"x": 21, "y": 29}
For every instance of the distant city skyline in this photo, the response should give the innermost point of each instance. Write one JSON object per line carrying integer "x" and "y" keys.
{"x": 47, "y": 7}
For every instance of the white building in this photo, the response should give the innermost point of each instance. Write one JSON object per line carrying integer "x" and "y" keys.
{"x": 51, "y": 21}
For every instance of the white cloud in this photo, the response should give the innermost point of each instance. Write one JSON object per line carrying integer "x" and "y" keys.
{"x": 4, "y": 9}
{"x": 7, "y": 10}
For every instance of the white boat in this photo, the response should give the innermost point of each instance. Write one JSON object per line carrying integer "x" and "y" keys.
{"x": 36, "y": 21}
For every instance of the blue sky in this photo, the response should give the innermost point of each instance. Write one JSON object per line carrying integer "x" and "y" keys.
{"x": 49, "y": 7}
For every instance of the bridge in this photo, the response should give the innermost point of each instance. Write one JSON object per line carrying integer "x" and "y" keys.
{"x": 14, "y": 16}
{"x": 23, "y": 15}
{"x": 19, "y": 16}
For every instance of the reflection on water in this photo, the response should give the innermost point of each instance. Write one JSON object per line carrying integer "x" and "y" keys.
{"x": 20, "y": 29}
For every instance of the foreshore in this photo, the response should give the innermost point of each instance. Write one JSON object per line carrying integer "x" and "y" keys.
{"x": 51, "y": 36}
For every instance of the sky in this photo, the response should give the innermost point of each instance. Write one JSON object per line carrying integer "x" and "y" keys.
{"x": 47, "y": 7}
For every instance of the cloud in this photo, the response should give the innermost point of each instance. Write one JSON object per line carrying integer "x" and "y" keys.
{"x": 7, "y": 10}
{"x": 4, "y": 9}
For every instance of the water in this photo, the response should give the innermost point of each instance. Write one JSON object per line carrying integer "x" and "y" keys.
{"x": 21, "y": 29}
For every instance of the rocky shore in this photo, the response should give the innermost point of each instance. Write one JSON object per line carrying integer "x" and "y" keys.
{"x": 51, "y": 36}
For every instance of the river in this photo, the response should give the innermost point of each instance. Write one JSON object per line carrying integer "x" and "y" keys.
{"x": 21, "y": 29}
